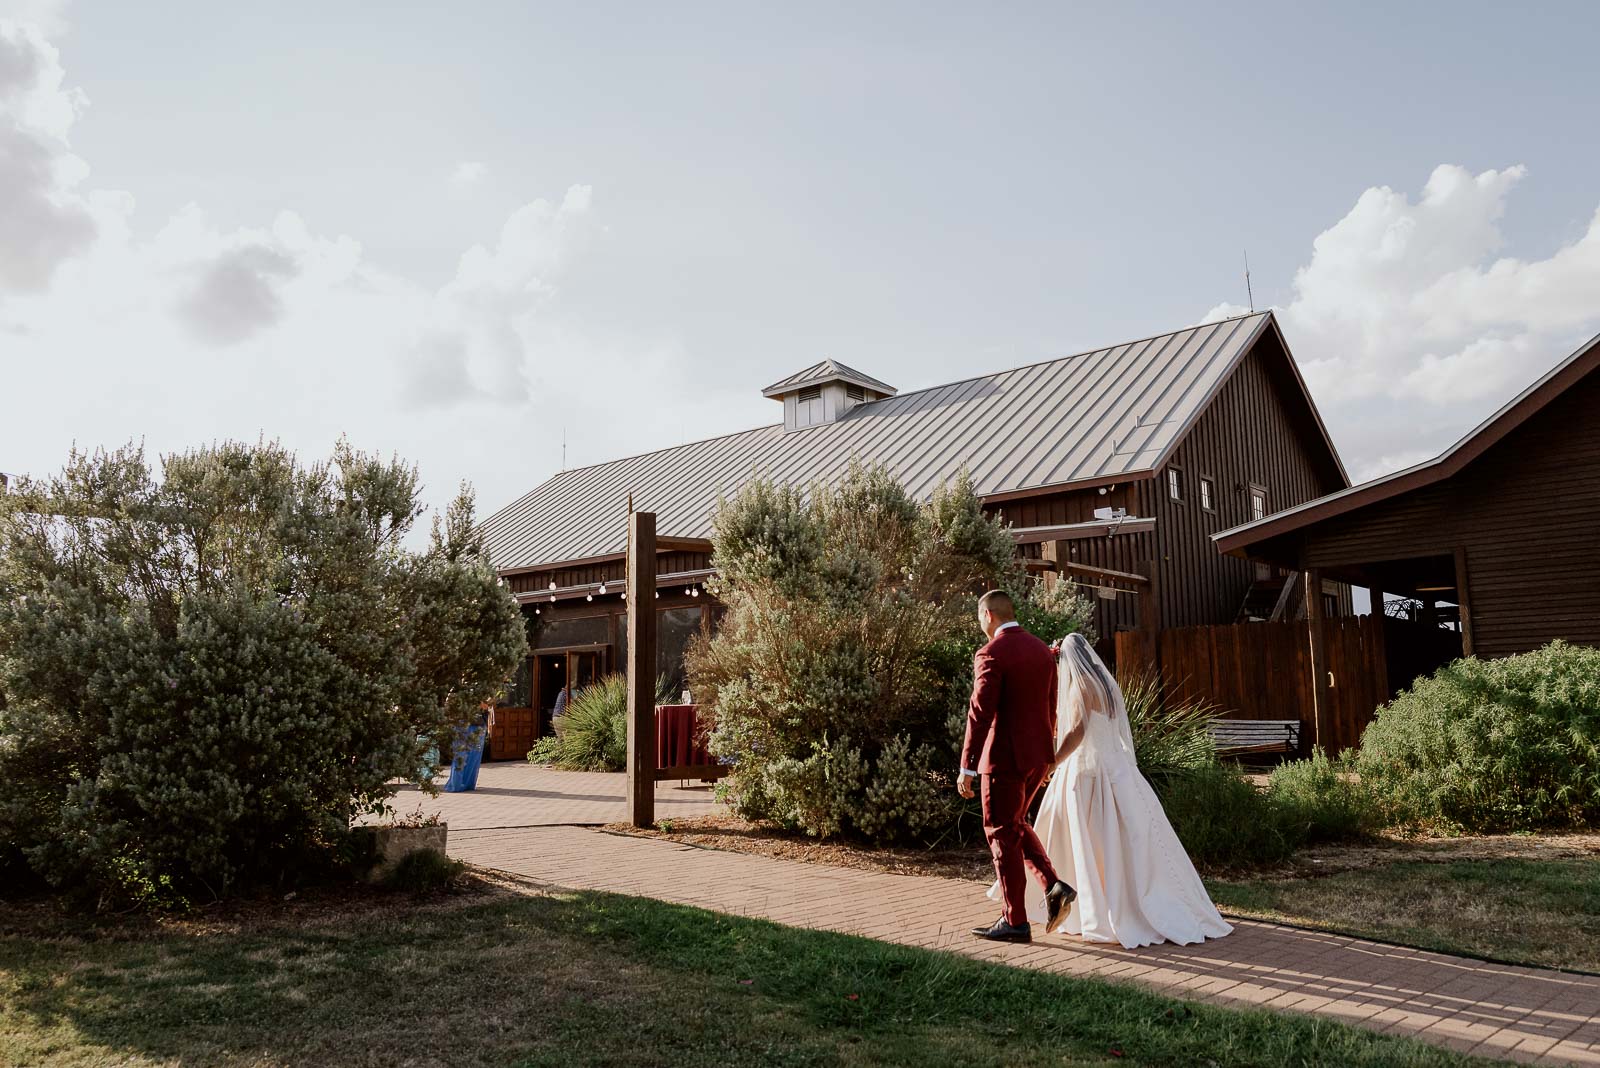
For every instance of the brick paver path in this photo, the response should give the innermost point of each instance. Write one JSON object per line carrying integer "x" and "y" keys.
{"x": 1492, "y": 1010}
{"x": 517, "y": 794}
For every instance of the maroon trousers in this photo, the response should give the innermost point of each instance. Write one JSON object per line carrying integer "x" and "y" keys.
{"x": 1006, "y": 797}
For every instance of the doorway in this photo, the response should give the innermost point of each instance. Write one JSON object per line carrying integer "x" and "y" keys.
{"x": 564, "y": 669}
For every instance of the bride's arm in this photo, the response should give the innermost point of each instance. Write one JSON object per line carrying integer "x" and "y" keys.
{"x": 1070, "y": 742}
{"x": 1074, "y": 735}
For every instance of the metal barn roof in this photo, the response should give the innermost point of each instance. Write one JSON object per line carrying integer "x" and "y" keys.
{"x": 1095, "y": 417}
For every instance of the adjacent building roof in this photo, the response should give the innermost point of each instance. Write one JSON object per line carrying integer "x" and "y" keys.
{"x": 1097, "y": 417}
{"x": 1518, "y": 411}
{"x": 826, "y": 371}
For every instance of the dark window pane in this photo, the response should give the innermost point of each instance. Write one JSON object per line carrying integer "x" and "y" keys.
{"x": 674, "y": 628}
{"x": 520, "y": 693}
{"x": 589, "y": 630}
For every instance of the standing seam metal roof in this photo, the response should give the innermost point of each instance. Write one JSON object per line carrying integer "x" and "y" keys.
{"x": 1097, "y": 416}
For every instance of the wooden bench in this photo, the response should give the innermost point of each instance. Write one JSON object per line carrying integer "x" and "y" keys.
{"x": 1235, "y": 737}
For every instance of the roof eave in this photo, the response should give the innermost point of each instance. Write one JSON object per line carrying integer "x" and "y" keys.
{"x": 1511, "y": 415}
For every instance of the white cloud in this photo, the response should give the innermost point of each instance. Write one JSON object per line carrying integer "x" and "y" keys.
{"x": 469, "y": 173}
{"x": 45, "y": 220}
{"x": 1410, "y": 328}
{"x": 201, "y": 332}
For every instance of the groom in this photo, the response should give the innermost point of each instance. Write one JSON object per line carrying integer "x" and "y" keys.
{"x": 1011, "y": 742}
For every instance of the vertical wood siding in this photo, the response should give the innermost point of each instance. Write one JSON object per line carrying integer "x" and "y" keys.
{"x": 1527, "y": 513}
{"x": 1248, "y": 435}
{"x": 1123, "y": 552}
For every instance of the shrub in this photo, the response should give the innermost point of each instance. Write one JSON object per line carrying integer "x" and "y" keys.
{"x": 592, "y": 732}
{"x": 425, "y": 871}
{"x": 205, "y": 677}
{"x": 1223, "y": 820}
{"x": 1492, "y": 745}
{"x": 1170, "y": 737}
{"x": 1322, "y": 800}
{"x": 839, "y": 676}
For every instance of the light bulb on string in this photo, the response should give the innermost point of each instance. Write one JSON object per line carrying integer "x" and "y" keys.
{"x": 552, "y": 584}
{"x": 588, "y": 597}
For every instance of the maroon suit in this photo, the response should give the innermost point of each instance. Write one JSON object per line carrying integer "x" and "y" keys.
{"x": 1011, "y": 739}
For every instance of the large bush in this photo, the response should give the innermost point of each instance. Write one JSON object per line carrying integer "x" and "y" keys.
{"x": 838, "y": 678}
{"x": 1486, "y": 745}
{"x": 205, "y": 676}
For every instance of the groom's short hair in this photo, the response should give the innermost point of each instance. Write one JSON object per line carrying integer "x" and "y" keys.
{"x": 999, "y": 604}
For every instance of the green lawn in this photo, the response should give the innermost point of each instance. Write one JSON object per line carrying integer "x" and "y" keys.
{"x": 1543, "y": 912}
{"x": 503, "y": 979}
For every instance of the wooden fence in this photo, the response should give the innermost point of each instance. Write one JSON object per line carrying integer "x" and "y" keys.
{"x": 1263, "y": 671}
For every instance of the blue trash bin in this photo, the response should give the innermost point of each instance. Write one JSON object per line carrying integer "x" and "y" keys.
{"x": 467, "y": 757}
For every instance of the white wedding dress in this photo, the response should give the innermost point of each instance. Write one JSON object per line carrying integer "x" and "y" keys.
{"x": 1105, "y": 830}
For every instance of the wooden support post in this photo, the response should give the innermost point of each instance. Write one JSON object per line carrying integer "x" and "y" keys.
{"x": 1052, "y": 554}
{"x": 1464, "y": 601}
{"x": 642, "y": 669}
{"x": 1321, "y": 699}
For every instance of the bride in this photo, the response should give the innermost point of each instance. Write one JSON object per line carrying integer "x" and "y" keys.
{"x": 1103, "y": 827}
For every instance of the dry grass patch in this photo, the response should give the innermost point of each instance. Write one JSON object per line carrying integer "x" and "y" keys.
{"x": 1523, "y": 899}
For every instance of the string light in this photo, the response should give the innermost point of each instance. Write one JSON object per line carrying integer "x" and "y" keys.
{"x": 552, "y": 584}
{"x": 588, "y": 597}
{"x": 602, "y": 589}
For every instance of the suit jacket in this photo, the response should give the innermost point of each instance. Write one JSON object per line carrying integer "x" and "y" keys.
{"x": 1011, "y": 720}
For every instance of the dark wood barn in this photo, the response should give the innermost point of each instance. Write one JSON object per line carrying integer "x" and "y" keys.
{"x": 1486, "y": 550}
{"x": 1114, "y": 469}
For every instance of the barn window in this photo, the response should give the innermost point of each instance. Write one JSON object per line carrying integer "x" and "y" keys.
{"x": 1175, "y": 483}
{"x": 1258, "y": 503}
{"x": 1208, "y": 494}
{"x": 855, "y": 393}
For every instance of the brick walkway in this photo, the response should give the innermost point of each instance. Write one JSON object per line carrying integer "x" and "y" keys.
{"x": 1492, "y": 1010}
{"x": 517, "y": 794}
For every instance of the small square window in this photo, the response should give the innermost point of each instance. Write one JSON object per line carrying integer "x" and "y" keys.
{"x": 1258, "y": 503}
{"x": 1175, "y": 483}
{"x": 1208, "y": 494}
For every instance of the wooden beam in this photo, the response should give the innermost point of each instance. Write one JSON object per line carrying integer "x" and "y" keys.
{"x": 1281, "y": 608}
{"x": 1464, "y": 599}
{"x": 1063, "y": 563}
{"x": 642, "y": 669}
{"x": 1321, "y": 699}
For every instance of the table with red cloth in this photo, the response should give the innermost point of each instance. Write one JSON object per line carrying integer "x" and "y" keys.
{"x": 678, "y": 741}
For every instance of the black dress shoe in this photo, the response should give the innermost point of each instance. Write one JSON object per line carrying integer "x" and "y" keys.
{"x": 1005, "y": 932}
{"x": 1059, "y": 897}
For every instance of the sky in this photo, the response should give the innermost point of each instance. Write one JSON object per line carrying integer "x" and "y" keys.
{"x": 500, "y": 237}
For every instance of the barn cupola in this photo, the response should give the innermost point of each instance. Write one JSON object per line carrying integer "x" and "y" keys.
{"x": 824, "y": 393}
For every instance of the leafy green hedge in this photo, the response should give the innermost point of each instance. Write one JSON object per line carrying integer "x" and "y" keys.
{"x": 1492, "y": 745}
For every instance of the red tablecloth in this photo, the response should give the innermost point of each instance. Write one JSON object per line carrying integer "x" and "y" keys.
{"x": 678, "y": 742}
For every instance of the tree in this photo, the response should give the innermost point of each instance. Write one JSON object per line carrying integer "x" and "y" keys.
{"x": 838, "y": 678}
{"x": 204, "y": 677}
